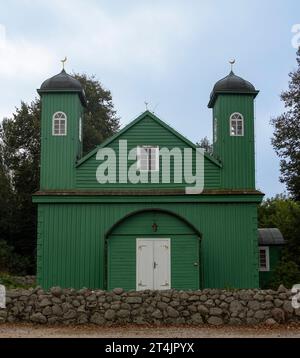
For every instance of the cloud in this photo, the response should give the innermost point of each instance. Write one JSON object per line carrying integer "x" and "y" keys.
{"x": 143, "y": 35}
{"x": 22, "y": 58}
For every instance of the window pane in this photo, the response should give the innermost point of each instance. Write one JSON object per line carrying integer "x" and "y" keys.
{"x": 263, "y": 258}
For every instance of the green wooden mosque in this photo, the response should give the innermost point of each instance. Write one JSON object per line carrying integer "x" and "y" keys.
{"x": 147, "y": 234}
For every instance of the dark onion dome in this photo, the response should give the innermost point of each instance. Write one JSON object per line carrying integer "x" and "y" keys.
{"x": 63, "y": 82}
{"x": 231, "y": 84}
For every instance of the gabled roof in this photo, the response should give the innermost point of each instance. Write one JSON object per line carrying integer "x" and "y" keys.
{"x": 131, "y": 124}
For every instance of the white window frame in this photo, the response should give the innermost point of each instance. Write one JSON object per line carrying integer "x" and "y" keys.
{"x": 138, "y": 151}
{"x": 267, "y": 253}
{"x": 80, "y": 129}
{"x": 234, "y": 119}
{"x": 53, "y": 124}
{"x": 215, "y": 129}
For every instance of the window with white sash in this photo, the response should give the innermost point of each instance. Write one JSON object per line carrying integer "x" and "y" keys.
{"x": 148, "y": 158}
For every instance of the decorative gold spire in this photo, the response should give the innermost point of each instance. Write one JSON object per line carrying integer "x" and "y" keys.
{"x": 232, "y": 62}
{"x": 63, "y": 62}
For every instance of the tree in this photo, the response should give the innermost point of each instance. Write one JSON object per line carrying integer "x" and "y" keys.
{"x": 286, "y": 139}
{"x": 284, "y": 213}
{"x": 20, "y": 158}
{"x": 205, "y": 144}
{"x": 100, "y": 120}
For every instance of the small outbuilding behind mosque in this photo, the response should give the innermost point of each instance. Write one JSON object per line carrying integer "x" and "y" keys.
{"x": 271, "y": 243}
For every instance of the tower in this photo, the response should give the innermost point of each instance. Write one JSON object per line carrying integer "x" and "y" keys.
{"x": 232, "y": 101}
{"x": 63, "y": 102}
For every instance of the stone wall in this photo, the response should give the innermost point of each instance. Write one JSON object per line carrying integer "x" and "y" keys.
{"x": 209, "y": 306}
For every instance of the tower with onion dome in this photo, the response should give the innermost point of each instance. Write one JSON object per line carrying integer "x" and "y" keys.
{"x": 232, "y": 102}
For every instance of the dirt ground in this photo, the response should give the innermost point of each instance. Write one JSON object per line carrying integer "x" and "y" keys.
{"x": 90, "y": 331}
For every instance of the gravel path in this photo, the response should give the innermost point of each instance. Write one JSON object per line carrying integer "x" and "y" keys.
{"x": 34, "y": 331}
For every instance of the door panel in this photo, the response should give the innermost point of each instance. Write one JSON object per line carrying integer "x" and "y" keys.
{"x": 161, "y": 270}
{"x": 144, "y": 262}
{"x": 153, "y": 264}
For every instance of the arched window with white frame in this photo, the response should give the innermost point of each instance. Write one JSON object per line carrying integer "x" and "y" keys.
{"x": 59, "y": 124}
{"x": 236, "y": 125}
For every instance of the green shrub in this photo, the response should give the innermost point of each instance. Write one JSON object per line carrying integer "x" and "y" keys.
{"x": 286, "y": 273}
{"x": 11, "y": 262}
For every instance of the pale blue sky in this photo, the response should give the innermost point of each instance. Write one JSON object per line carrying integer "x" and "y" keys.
{"x": 169, "y": 53}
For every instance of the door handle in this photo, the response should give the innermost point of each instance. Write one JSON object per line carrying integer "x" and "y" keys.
{"x": 141, "y": 284}
{"x": 155, "y": 265}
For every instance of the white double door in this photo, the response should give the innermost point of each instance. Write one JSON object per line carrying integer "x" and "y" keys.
{"x": 153, "y": 269}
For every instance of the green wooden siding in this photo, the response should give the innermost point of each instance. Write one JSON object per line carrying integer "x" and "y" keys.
{"x": 265, "y": 277}
{"x": 145, "y": 132}
{"x": 236, "y": 153}
{"x": 122, "y": 250}
{"x": 59, "y": 153}
{"x": 71, "y": 241}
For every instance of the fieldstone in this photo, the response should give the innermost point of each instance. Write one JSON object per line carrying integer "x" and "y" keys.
{"x": 258, "y": 297}
{"x": 215, "y": 311}
{"x": 70, "y": 314}
{"x": 3, "y": 314}
{"x": 196, "y": 318}
{"x": 157, "y": 314}
{"x": 45, "y": 302}
{"x": 235, "y": 306}
{"x": 82, "y": 318}
{"x": 278, "y": 315}
{"x": 278, "y": 302}
{"x": 203, "y": 310}
{"x": 53, "y": 320}
{"x": 281, "y": 289}
{"x": 118, "y": 291}
{"x": 193, "y": 298}
{"x": 134, "y": 300}
{"x": 245, "y": 295}
{"x": 185, "y": 313}
{"x": 97, "y": 318}
{"x": 47, "y": 311}
{"x": 287, "y": 307}
{"x": 162, "y": 305}
{"x": 110, "y": 315}
{"x": 210, "y": 303}
{"x": 270, "y": 322}
{"x": 92, "y": 298}
{"x": 235, "y": 321}
{"x": 192, "y": 308}
{"x": 56, "y": 291}
{"x": 254, "y": 305}
{"x": 251, "y": 321}
{"x": 172, "y": 312}
{"x": 115, "y": 306}
{"x": 269, "y": 298}
{"x": 174, "y": 303}
{"x": 38, "y": 318}
{"x": 56, "y": 300}
{"x": 76, "y": 303}
{"x": 203, "y": 298}
{"x": 215, "y": 321}
{"x": 259, "y": 315}
{"x": 123, "y": 313}
{"x": 184, "y": 296}
{"x": 266, "y": 305}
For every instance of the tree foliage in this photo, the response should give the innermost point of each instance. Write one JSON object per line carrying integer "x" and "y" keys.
{"x": 284, "y": 213}
{"x": 286, "y": 139}
{"x": 205, "y": 144}
{"x": 20, "y": 161}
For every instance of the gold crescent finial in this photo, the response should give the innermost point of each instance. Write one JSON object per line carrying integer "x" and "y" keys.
{"x": 232, "y": 62}
{"x": 63, "y": 62}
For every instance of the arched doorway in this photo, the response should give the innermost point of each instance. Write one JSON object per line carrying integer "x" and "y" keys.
{"x": 153, "y": 249}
